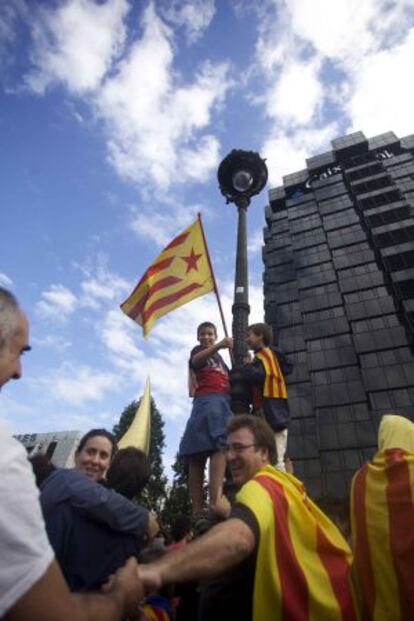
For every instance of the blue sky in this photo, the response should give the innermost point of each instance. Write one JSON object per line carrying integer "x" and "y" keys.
{"x": 114, "y": 117}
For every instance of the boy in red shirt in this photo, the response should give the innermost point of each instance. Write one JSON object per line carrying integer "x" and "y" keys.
{"x": 205, "y": 434}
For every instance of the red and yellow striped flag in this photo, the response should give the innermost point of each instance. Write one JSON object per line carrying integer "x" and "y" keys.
{"x": 179, "y": 274}
{"x": 303, "y": 567}
{"x": 274, "y": 384}
{"x": 382, "y": 515}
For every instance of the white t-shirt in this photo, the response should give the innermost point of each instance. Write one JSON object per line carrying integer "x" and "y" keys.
{"x": 25, "y": 552}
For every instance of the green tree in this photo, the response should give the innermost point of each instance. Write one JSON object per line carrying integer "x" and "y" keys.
{"x": 178, "y": 499}
{"x": 154, "y": 496}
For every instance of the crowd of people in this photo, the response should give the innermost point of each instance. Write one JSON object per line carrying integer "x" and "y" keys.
{"x": 75, "y": 545}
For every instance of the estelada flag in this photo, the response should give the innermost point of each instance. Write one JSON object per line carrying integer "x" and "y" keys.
{"x": 179, "y": 274}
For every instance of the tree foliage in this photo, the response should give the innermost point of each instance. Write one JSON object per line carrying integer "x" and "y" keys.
{"x": 154, "y": 496}
{"x": 178, "y": 499}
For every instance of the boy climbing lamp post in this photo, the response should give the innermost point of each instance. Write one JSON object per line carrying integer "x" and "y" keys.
{"x": 241, "y": 175}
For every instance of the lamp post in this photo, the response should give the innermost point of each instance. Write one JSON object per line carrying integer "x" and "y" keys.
{"x": 241, "y": 175}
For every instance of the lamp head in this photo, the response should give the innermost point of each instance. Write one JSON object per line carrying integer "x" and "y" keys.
{"x": 241, "y": 175}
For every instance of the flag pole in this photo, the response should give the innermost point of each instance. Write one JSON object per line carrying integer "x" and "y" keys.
{"x": 223, "y": 321}
{"x": 214, "y": 278}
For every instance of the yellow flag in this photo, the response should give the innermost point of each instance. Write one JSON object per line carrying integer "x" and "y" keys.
{"x": 139, "y": 433}
{"x": 179, "y": 274}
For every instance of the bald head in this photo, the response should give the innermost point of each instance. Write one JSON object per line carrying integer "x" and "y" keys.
{"x": 14, "y": 336}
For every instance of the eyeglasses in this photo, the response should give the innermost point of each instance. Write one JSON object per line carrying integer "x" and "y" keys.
{"x": 237, "y": 447}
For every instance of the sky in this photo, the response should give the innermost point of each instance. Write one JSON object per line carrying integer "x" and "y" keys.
{"x": 114, "y": 117}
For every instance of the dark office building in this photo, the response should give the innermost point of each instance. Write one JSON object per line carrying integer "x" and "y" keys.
{"x": 339, "y": 293}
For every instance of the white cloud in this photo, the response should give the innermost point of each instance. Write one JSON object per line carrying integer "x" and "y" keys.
{"x": 75, "y": 44}
{"x": 383, "y": 98}
{"x": 336, "y": 30}
{"x": 52, "y": 340}
{"x": 193, "y": 15}
{"x": 155, "y": 135}
{"x": 77, "y": 384}
{"x": 9, "y": 404}
{"x": 154, "y": 226}
{"x": 95, "y": 289}
{"x": 322, "y": 60}
{"x": 103, "y": 286}
{"x": 161, "y": 226}
{"x": 136, "y": 358}
{"x": 99, "y": 285}
{"x": 286, "y": 153}
{"x": 174, "y": 213}
{"x": 8, "y": 15}
{"x": 5, "y": 281}
{"x": 297, "y": 95}
{"x": 157, "y": 122}
{"x": 199, "y": 160}
{"x": 120, "y": 335}
{"x": 84, "y": 420}
{"x": 347, "y": 30}
{"x": 255, "y": 242}
{"x": 57, "y": 303}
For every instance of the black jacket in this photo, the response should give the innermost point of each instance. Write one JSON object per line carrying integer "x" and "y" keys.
{"x": 275, "y": 410}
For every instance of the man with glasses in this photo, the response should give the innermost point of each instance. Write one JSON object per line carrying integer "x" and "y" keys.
{"x": 276, "y": 557}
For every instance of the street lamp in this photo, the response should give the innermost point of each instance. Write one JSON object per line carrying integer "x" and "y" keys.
{"x": 241, "y": 175}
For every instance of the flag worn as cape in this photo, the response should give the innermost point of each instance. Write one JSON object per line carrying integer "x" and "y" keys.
{"x": 303, "y": 566}
{"x": 382, "y": 518}
{"x": 274, "y": 384}
{"x": 179, "y": 274}
{"x": 139, "y": 432}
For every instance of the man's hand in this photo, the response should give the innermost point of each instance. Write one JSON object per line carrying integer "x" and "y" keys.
{"x": 127, "y": 586}
{"x": 226, "y": 343}
{"x": 151, "y": 578}
{"x": 49, "y": 598}
{"x": 247, "y": 359}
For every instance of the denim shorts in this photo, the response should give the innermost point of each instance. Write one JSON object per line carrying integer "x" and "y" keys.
{"x": 206, "y": 429}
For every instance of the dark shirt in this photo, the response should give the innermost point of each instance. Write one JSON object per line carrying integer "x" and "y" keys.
{"x": 275, "y": 410}
{"x": 255, "y": 373}
{"x": 230, "y": 595}
{"x": 211, "y": 375}
{"x": 92, "y": 529}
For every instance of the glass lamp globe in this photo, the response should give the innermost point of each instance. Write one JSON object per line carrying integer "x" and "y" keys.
{"x": 242, "y": 180}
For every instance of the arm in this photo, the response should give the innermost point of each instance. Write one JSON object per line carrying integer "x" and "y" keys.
{"x": 285, "y": 364}
{"x": 254, "y": 373}
{"x": 201, "y": 356}
{"x": 106, "y": 506}
{"x": 32, "y": 586}
{"x": 49, "y": 599}
{"x": 224, "y": 546}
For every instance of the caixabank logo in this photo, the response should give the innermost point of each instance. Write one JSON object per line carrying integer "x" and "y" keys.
{"x": 384, "y": 154}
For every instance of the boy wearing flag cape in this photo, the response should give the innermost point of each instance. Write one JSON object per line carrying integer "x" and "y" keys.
{"x": 265, "y": 376}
